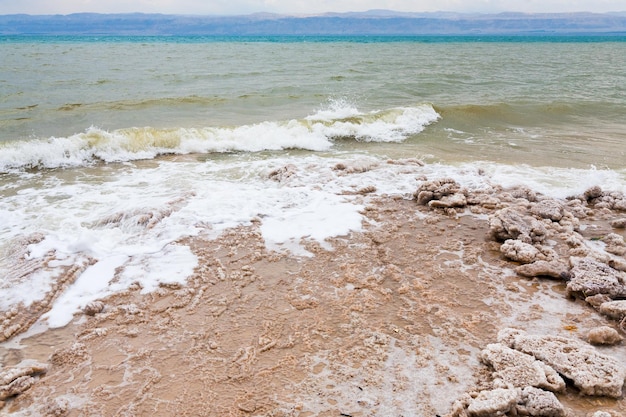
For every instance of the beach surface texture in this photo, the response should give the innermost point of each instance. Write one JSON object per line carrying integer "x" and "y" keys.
{"x": 488, "y": 298}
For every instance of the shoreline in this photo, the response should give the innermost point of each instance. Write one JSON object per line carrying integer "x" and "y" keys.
{"x": 392, "y": 320}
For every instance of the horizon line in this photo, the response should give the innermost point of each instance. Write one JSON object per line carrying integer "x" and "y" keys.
{"x": 370, "y": 12}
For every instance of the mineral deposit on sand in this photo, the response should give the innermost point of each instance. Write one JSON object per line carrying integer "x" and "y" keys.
{"x": 399, "y": 319}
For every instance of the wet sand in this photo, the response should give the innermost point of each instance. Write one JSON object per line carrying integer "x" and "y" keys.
{"x": 390, "y": 322}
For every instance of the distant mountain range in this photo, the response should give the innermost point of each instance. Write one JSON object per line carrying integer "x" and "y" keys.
{"x": 373, "y": 22}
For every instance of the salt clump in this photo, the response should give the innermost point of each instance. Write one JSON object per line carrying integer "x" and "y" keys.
{"x": 537, "y": 402}
{"x": 508, "y": 223}
{"x": 493, "y": 403}
{"x": 603, "y": 414}
{"x": 554, "y": 269}
{"x": 93, "y": 308}
{"x": 454, "y": 200}
{"x": 619, "y": 223}
{"x": 283, "y": 173}
{"x": 591, "y": 372}
{"x": 14, "y": 381}
{"x": 610, "y": 200}
{"x": 590, "y": 277}
{"x": 604, "y": 335}
{"x": 615, "y": 244}
{"x": 548, "y": 209}
{"x": 518, "y": 251}
{"x": 529, "y": 401}
{"x": 436, "y": 190}
{"x": 519, "y": 370}
{"x": 597, "y": 300}
{"x": 614, "y": 309}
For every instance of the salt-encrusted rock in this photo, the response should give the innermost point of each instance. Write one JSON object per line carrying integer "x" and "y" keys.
{"x": 508, "y": 223}
{"x": 539, "y": 403}
{"x": 567, "y": 225}
{"x": 617, "y": 263}
{"x": 597, "y": 300}
{"x": 590, "y": 277}
{"x": 592, "y": 372}
{"x": 482, "y": 199}
{"x": 459, "y": 407}
{"x": 524, "y": 192}
{"x": 610, "y": 200}
{"x": 492, "y": 403}
{"x": 436, "y": 190}
{"x": 554, "y": 269}
{"x": 604, "y": 335}
{"x": 548, "y": 209}
{"x": 453, "y": 200}
{"x": 614, "y": 244}
{"x": 518, "y": 251}
{"x": 93, "y": 308}
{"x": 593, "y": 192}
{"x": 283, "y": 173}
{"x": 17, "y": 386}
{"x": 28, "y": 368}
{"x": 519, "y": 370}
{"x": 619, "y": 223}
{"x": 577, "y": 208}
{"x": 14, "y": 381}
{"x": 619, "y": 201}
{"x": 614, "y": 309}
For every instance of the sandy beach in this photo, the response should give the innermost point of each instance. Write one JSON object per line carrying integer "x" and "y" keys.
{"x": 386, "y": 322}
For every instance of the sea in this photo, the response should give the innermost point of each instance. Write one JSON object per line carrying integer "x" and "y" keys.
{"x": 114, "y": 150}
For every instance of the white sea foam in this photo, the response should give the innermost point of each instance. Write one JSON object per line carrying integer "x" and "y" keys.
{"x": 325, "y": 215}
{"x": 315, "y": 133}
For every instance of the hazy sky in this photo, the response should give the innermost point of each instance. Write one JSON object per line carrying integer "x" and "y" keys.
{"x": 302, "y": 6}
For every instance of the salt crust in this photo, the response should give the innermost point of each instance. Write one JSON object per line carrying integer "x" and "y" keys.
{"x": 509, "y": 223}
{"x": 548, "y": 209}
{"x": 615, "y": 309}
{"x": 436, "y": 190}
{"x": 595, "y": 276}
{"x": 518, "y": 370}
{"x": 591, "y": 277}
{"x": 604, "y": 335}
{"x": 16, "y": 380}
{"x": 528, "y": 401}
{"x": 523, "y": 364}
{"x": 518, "y": 251}
{"x": 540, "y": 403}
{"x": 540, "y": 268}
{"x": 493, "y": 403}
{"x": 590, "y": 371}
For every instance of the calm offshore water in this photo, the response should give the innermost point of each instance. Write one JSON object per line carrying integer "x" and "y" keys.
{"x": 98, "y": 134}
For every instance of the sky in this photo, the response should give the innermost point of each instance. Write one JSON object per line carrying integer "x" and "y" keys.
{"x": 233, "y": 7}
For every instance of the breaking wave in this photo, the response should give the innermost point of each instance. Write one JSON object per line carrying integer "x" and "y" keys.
{"x": 315, "y": 132}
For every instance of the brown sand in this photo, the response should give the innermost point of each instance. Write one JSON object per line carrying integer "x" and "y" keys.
{"x": 389, "y": 323}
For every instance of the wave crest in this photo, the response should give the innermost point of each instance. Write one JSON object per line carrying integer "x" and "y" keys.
{"x": 315, "y": 132}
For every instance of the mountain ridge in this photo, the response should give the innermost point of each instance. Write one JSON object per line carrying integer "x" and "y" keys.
{"x": 373, "y": 22}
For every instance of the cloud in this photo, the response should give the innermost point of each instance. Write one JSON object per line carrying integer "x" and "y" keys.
{"x": 301, "y": 6}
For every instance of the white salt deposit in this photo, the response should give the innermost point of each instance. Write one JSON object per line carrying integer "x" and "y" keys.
{"x": 129, "y": 216}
